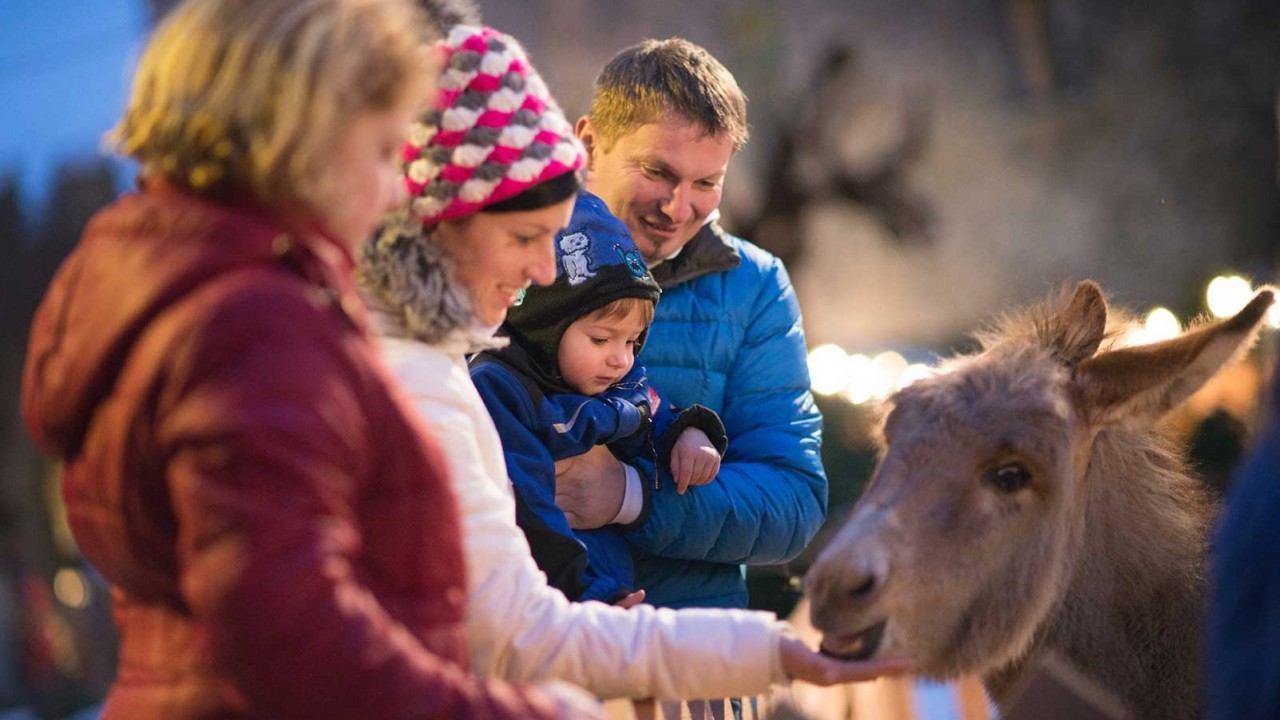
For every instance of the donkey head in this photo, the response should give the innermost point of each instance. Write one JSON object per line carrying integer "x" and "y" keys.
{"x": 973, "y": 525}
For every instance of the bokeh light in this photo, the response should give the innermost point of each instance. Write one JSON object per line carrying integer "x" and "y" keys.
{"x": 827, "y": 369}
{"x": 1161, "y": 324}
{"x": 864, "y": 379}
{"x": 891, "y": 365}
{"x": 914, "y": 372}
{"x": 1227, "y": 294}
{"x": 71, "y": 588}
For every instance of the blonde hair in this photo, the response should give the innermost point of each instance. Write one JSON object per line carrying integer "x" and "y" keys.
{"x": 246, "y": 96}
{"x": 646, "y": 81}
{"x": 623, "y": 308}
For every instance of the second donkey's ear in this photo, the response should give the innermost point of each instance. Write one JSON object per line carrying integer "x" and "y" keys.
{"x": 1146, "y": 381}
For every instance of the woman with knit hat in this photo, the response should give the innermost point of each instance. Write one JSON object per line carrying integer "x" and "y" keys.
{"x": 492, "y": 171}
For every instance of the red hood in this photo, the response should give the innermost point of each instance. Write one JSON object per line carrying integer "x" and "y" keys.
{"x": 136, "y": 258}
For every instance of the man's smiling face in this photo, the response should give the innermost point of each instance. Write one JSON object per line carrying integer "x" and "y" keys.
{"x": 662, "y": 179}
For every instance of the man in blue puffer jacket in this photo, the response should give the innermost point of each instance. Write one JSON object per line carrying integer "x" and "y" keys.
{"x": 665, "y": 120}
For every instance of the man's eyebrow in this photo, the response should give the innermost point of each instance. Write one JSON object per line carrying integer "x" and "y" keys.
{"x": 650, "y": 160}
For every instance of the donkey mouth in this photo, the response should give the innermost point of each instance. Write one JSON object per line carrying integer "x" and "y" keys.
{"x": 858, "y": 646}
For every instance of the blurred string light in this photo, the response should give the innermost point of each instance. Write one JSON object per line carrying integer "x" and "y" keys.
{"x": 890, "y": 365}
{"x": 826, "y": 369}
{"x": 863, "y": 380}
{"x": 1160, "y": 324}
{"x": 914, "y": 372}
{"x": 860, "y": 378}
{"x": 1227, "y": 294}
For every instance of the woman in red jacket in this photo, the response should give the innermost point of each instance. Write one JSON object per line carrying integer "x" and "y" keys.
{"x": 277, "y": 529}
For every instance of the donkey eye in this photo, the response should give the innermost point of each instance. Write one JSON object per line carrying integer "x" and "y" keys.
{"x": 1008, "y": 478}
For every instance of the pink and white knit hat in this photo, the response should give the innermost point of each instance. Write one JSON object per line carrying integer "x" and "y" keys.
{"x": 492, "y": 132}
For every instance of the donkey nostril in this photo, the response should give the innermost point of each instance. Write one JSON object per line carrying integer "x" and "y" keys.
{"x": 864, "y": 589}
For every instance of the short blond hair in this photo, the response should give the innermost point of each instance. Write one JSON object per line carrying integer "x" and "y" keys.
{"x": 654, "y": 78}
{"x": 244, "y": 97}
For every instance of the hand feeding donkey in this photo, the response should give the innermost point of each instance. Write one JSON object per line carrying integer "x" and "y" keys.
{"x": 1025, "y": 503}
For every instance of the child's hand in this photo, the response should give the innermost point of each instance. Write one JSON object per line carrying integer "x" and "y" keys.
{"x": 694, "y": 460}
{"x": 631, "y": 600}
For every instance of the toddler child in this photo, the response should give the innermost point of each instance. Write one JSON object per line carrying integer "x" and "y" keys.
{"x": 568, "y": 380}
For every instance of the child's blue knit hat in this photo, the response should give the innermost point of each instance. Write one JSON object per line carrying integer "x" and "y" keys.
{"x": 596, "y": 263}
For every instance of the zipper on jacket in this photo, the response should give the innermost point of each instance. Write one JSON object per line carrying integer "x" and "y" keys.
{"x": 653, "y": 453}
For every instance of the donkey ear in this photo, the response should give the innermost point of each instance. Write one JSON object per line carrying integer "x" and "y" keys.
{"x": 1075, "y": 332}
{"x": 1149, "y": 380}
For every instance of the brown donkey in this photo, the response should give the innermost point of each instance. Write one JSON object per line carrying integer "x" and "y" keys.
{"x": 1027, "y": 503}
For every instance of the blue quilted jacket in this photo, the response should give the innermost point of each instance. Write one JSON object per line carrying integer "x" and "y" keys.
{"x": 728, "y": 335}
{"x": 538, "y": 429}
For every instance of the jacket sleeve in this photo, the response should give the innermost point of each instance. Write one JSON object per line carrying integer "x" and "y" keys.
{"x": 521, "y": 629}
{"x": 260, "y": 423}
{"x": 574, "y": 423}
{"x": 770, "y": 497}
{"x": 531, "y": 468}
{"x": 634, "y": 392}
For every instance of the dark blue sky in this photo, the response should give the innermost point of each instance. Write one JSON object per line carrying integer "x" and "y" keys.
{"x": 64, "y": 73}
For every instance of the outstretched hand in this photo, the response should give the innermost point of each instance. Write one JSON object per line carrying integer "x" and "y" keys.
{"x": 570, "y": 701}
{"x": 801, "y": 663}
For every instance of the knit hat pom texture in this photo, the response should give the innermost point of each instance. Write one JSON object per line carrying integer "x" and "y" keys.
{"x": 492, "y": 132}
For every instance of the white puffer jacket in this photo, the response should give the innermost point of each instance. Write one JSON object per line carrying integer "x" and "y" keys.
{"x": 519, "y": 628}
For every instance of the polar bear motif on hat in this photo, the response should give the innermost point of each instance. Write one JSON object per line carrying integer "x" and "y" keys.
{"x": 577, "y": 266}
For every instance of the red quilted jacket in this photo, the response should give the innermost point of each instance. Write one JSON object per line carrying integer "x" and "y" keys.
{"x": 276, "y": 526}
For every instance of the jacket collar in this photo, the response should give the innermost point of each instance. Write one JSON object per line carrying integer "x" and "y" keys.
{"x": 139, "y": 257}
{"x": 458, "y": 341}
{"x": 260, "y": 233}
{"x": 709, "y": 252}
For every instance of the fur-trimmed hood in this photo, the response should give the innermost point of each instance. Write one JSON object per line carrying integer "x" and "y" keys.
{"x": 408, "y": 279}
